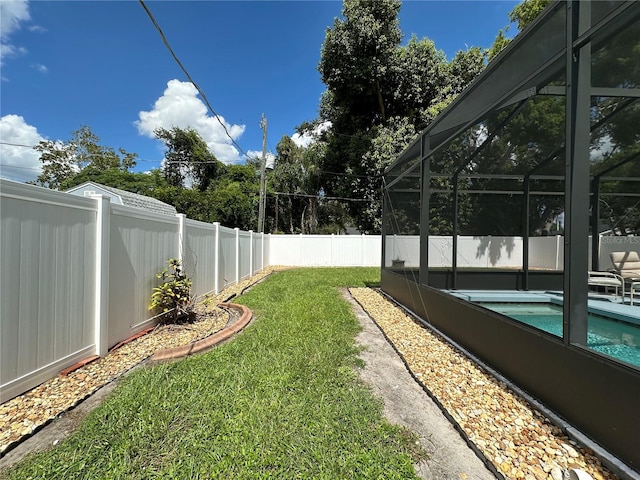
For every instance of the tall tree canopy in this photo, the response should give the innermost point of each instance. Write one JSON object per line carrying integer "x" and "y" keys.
{"x": 522, "y": 15}
{"x": 379, "y": 93}
{"x": 61, "y": 161}
{"x": 294, "y": 181}
{"x": 201, "y": 186}
{"x": 188, "y": 158}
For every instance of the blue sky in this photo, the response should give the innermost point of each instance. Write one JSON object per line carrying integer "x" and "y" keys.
{"x": 103, "y": 64}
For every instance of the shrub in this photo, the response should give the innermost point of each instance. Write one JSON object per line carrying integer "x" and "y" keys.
{"x": 173, "y": 297}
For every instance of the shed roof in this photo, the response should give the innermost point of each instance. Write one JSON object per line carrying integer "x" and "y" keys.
{"x": 127, "y": 198}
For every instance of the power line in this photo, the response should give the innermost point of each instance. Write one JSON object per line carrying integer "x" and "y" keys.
{"x": 21, "y": 168}
{"x": 204, "y": 97}
{"x": 91, "y": 155}
{"x": 17, "y": 144}
{"x": 344, "y": 174}
{"x": 320, "y": 197}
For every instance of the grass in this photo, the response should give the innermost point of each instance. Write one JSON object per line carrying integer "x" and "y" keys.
{"x": 281, "y": 400}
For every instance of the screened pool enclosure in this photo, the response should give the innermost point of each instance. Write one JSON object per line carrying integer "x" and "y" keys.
{"x": 495, "y": 217}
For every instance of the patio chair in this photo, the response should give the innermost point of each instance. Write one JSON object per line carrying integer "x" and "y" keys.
{"x": 606, "y": 280}
{"x": 627, "y": 265}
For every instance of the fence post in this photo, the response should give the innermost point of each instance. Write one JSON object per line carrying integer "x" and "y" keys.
{"x": 237, "y": 254}
{"x": 216, "y": 259}
{"x": 181, "y": 237}
{"x": 331, "y": 251}
{"x": 262, "y": 265}
{"x": 251, "y": 253}
{"x": 101, "y": 302}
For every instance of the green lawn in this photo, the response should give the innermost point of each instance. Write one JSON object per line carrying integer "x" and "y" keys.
{"x": 281, "y": 400}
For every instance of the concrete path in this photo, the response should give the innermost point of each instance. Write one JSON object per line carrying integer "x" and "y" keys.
{"x": 406, "y": 404}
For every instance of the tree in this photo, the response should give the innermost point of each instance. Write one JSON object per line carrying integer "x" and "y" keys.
{"x": 61, "y": 161}
{"x": 235, "y": 197}
{"x": 187, "y": 158}
{"x": 135, "y": 182}
{"x": 356, "y": 57}
{"x": 58, "y": 163}
{"x": 287, "y": 178}
{"x": 387, "y": 143}
{"x": 295, "y": 176}
{"x": 522, "y": 14}
{"x": 375, "y": 85}
{"x": 526, "y": 12}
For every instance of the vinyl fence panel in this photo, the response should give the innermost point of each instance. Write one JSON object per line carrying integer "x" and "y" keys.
{"x": 371, "y": 250}
{"x": 490, "y": 252}
{"x": 227, "y": 257}
{"x": 47, "y": 286}
{"x": 285, "y": 250}
{"x": 199, "y": 255}
{"x": 244, "y": 255}
{"x": 324, "y": 250}
{"x": 141, "y": 243}
{"x": 257, "y": 257}
{"x": 544, "y": 253}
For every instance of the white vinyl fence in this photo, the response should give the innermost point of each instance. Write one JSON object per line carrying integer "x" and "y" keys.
{"x": 545, "y": 253}
{"x": 77, "y": 273}
{"x": 325, "y": 250}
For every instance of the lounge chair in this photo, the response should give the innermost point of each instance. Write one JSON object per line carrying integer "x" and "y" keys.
{"x": 606, "y": 280}
{"x": 627, "y": 265}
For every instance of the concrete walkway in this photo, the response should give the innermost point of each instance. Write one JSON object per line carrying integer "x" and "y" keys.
{"x": 406, "y": 404}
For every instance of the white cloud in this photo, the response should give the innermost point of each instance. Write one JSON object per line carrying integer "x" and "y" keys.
{"x": 12, "y": 14}
{"x": 310, "y": 137}
{"x": 39, "y": 67}
{"x": 602, "y": 148}
{"x": 19, "y": 163}
{"x": 179, "y": 106}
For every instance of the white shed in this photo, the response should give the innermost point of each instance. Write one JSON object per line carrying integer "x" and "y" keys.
{"x": 122, "y": 197}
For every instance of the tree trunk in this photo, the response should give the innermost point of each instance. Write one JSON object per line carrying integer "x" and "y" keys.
{"x": 380, "y": 101}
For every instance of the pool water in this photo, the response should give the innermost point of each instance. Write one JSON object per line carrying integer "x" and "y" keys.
{"x": 611, "y": 337}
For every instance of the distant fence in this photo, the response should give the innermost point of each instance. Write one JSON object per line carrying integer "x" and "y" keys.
{"x": 546, "y": 253}
{"x": 77, "y": 273}
{"x": 325, "y": 250}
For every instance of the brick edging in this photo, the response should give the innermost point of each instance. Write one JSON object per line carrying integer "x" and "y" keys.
{"x": 210, "y": 341}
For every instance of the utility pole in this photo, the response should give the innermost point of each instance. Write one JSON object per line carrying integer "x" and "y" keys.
{"x": 263, "y": 179}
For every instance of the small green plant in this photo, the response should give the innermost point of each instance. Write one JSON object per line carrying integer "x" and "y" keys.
{"x": 173, "y": 297}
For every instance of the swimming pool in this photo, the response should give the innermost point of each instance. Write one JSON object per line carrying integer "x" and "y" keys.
{"x": 615, "y": 338}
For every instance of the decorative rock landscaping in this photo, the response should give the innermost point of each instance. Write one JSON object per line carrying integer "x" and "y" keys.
{"x": 515, "y": 437}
